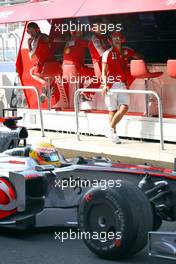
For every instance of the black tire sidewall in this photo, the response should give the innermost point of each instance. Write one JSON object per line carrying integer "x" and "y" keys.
{"x": 126, "y": 215}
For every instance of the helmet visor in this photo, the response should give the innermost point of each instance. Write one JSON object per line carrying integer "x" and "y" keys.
{"x": 49, "y": 157}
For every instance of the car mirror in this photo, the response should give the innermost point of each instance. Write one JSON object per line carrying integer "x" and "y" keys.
{"x": 44, "y": 168}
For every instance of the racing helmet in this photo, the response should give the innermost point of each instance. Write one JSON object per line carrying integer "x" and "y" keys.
{"x": 117, "y": 34}
{"x": 45, "y": 154}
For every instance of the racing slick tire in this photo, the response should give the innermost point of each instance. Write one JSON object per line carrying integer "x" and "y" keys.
{"x": 145, "y": 223}
{"x": 119, "y": 214}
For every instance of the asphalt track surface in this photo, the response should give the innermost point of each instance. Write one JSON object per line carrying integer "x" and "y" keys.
{"x": 38, "y": 246}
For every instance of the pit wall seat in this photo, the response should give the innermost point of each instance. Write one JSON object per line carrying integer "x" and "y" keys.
{"x": 171, "y": 68}
{"x": 139, "y": 70}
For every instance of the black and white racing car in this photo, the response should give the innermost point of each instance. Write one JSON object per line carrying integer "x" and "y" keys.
{"x": 114, "y": 205}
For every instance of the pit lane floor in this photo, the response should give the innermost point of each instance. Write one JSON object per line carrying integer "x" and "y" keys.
{"x": 40, "y": 247}
{"x": 130, "y": 151}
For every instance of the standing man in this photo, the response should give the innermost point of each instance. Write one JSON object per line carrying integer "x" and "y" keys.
{"x": 116, "y": 75}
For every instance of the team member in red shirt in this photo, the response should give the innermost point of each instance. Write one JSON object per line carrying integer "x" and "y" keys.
{"x": 39, "y": 48}
{"x": 116, "y": 75}
{"x": 74, "y": 52}
{"x": 73, "y": 62}
{"x": 97, "y": 46}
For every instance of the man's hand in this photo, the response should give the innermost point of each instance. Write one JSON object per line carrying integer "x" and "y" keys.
{"x": 104, "y": 90}
{"x": 30, "y": 41}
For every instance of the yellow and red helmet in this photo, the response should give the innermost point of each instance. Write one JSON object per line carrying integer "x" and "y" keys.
{"x": 45, "y": 154}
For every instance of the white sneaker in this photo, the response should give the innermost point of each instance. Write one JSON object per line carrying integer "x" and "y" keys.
{"x": 110, "y": 133}
{"x": 116, "y": 139}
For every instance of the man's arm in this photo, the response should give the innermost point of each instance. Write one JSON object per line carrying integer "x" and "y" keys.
{"x": 105, "y": 59}
{"x": 104, "y": 78}
{"x": 31, "y": 51}
{"x": 137, "y": 56}
{"x": 98, "y": 46}
{"x": 134, "y": 55}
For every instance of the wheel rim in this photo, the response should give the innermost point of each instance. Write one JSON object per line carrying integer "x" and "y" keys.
{"x": 102, "y": 221}
{"x": 101, "y": 218}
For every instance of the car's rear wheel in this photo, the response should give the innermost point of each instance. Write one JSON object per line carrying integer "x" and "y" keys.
{"x": 113, "y": 221}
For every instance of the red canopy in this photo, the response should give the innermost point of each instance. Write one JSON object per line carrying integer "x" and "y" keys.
{"x": 102, "y": 7}
{"x": 39, "y": 10}
{"x": 76, "y": 8}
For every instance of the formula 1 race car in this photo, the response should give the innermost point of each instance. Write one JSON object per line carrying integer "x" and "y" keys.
{"x": 114, "y": 205}
{"x": 10, "y": 133}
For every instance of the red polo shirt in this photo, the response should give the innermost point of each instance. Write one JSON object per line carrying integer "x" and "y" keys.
{"x": 74, "y": 52}
{"x": 118, "y": 65}
{"x": 43, "y": 51}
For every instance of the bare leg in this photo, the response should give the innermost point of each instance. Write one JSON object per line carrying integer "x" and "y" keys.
{"x": 117, "y": 116}
{"x": 111, "y": 115}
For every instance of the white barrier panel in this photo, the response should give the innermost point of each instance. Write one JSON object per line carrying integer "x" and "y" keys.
{"x": 160, "y": 110}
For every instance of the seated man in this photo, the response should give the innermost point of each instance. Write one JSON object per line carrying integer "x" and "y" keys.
{"x": 43, "y": 153}
{"x": 116, "y": 75}
{"x": 98, "y": 44}
{"x": 40, "y": 49}
{"x": 73, "y": 62}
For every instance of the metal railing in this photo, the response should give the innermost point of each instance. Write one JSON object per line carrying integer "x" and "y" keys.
{"x": 13, "y": 2}
{"x": 14, "y": 36}
{"x": 160, "y": 109}
{"x": 18, "y": 39}
{"x": 38, "y": 100}
{"x": 3, "y": 47}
